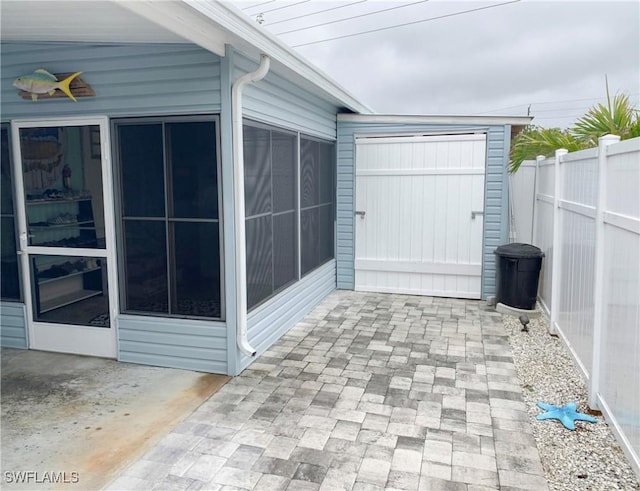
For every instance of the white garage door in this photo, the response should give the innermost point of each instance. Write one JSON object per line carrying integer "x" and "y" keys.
{"x": 419, "y": 214}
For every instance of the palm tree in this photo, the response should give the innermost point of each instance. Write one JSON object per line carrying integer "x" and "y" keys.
{"x": 534, "y": 141}
{"x": 618, "y": 117}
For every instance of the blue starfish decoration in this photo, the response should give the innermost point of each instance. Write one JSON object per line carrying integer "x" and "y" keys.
{"x": 566, "y": 414}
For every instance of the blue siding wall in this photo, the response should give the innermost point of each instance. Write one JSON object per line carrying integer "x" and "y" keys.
{"x": 496, "y": 204}
{"x": 175, "y": 343}
{"x": 13, "y": 331}
{"x": 278, "y": 101}
{"x": 129, "y": 80}
{"x": 268, "y": 322}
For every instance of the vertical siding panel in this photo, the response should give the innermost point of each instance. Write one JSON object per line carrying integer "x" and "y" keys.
{"x": 496, "y": 210}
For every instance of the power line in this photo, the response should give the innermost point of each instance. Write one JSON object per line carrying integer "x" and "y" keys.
{"x": 406, "y": 24}
{"x": 314, "y": 13}
{"x": 284, "y": 6}
{"x": 350, "y": 18}
{"x": 258, "y": 4}
{"x": 552, "y": 102}
{"x": 570, "y": 116}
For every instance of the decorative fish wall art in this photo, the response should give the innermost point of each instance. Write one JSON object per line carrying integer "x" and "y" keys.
{"x": 43, "y": 82}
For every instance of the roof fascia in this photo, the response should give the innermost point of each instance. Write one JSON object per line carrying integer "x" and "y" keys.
{"x": 418, "y": 119}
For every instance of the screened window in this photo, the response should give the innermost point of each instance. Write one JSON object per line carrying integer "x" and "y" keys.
{"x": 169, "y": 218}
{"x": 10, "y": 285}
{"x": 317, "y": 167}
{"x": 270, "y": 161}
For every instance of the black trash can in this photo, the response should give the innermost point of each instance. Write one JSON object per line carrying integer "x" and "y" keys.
{"x": 517, "y": 275}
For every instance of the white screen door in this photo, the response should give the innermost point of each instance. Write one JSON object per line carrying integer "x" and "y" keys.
{"x": 419, "y": 214}
{"x": 65, "y": 222}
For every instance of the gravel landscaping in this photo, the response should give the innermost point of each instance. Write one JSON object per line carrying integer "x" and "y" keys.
{"x": 588, "y": 458}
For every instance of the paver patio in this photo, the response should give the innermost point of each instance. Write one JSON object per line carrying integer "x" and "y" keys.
{"x": 370, "y": 391}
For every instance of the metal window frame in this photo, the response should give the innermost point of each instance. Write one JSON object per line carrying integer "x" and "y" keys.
{"x": 333, "y": 203}
{"x": 296, "y": 201}
{"x": 120, "y": 218}
{"x": 7, "y": 127}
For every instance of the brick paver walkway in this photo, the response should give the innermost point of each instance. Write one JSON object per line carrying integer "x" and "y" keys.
{"x": 370, "y": 391}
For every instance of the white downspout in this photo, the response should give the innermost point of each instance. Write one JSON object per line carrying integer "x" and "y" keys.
{"x": 238, "y": 195}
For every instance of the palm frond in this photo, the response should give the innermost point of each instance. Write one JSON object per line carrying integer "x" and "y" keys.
{"x": 620, "y": 118}
{"x": 617, "y": 117}
{"x": 536, "y": 141}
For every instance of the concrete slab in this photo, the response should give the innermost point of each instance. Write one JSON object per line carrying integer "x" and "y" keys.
{"x": 83, "y": 420}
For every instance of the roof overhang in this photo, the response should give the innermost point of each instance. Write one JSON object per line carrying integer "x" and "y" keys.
{"x": 420, "y": 119}
{"x": 206, "y": 23}
{"x": 517, "y": 123}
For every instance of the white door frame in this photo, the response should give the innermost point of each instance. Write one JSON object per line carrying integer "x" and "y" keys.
{"x": 68, "y": 338}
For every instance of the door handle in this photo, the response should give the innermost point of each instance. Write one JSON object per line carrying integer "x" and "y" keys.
{"x": 361, "y": 214}
{"x": 476, "y": 213}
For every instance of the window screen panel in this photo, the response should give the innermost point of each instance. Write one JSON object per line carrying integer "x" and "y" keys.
{"x": 309, "y": 235}
{"x": 284, "y": 153}
{"x": 325, "y": 172}
{"x": 146, "y": 266}
{"x": 326, "y": 233}
{"x": 257, "y": 170}
{"x": 194, "y": 183}
{"x": 10, "y": 279}
{"x": 142, "y": 167}
{"x": 309, "y": 185}
{"x": 10, "y": 282}
{"x": 197, "y": 269}
{"x": 259, "y": 238}
{"x": 6, "y": 195}
{"x": 172, "y": 260}
{"x": 285, "y": 256}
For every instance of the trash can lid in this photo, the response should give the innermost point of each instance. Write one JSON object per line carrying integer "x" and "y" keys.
{"x": 517, "y": 250}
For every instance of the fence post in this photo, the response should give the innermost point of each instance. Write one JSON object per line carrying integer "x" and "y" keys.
{"x": 556, "y": 267}
{"x": 534, "y": 225}
{"x": 599, "y": 264}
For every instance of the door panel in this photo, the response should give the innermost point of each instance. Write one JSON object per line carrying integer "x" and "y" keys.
{"x": 418, "y": 233}
{"x": 66, "y": 231}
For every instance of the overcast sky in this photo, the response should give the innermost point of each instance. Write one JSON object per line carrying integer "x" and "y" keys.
{"x": 552, "y": 55}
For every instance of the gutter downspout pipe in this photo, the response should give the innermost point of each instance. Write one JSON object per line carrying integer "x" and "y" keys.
{"x": 239, "y": 210}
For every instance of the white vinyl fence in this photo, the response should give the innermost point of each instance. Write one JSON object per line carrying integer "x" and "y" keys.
{"x": 521, "y": 190}
{"x": 586, "y": 219}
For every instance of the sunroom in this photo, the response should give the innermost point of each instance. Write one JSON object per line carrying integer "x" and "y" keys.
{"x": 159, "y": 219}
